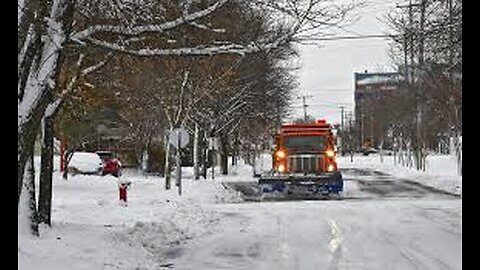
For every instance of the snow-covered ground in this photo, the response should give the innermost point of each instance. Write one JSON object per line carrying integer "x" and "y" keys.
{"x": 440, "y": 173}
{"x": 207, "y": 227}
{"x": 92, "y": 230}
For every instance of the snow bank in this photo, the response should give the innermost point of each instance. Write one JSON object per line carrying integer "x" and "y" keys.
{"x": 92, "y": 230}
{"x": 440, "y": 170}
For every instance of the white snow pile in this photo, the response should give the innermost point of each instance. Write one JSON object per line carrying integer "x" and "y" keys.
{"x": 163, "y": 239}
{"x": 440, "y": 173}
{"x": 208, "y": 190}
{"x": 92, "y": 230}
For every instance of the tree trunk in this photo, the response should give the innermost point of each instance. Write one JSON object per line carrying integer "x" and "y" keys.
{"x": 409, "y": 155}
{"x": 62, "y": 154}
{"x": 459, "y": 163}
{"x": 205, "y": 156}
{"x": 26, "y": 144}
{"x": 30, "y": 188}
{"x": 254, "y": 160}
{"x": 139, "y": 152}
{"x": 68, "y": 157}
{"x": 196, "y": 152}
{"x": 424, "y": 158}
{"x": 46, "y": 172}
{"x": 416, "y": 158}
{"x": 381, "y": 151}
{"x": 224, "y": 163}
{"x": 167, "y": 165}
{"x": 458, "y": 154}
{"x": 394, "y": 156}
{"x": 235, "y": 151}
{"x": 401, "y": 158}
{"x": 145, "y": 160}
{"x": 224, "y": 155}
{"x": 34, "y": 85}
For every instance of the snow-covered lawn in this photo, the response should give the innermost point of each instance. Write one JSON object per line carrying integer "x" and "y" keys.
{"x": 91, "y": 230}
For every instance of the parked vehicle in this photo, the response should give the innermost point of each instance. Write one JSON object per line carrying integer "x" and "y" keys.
{"x": 85, "y": 163}
{"x": 368, "y": 151}
{"x": 111, "y": 165}
{"x": 387, "y": 152}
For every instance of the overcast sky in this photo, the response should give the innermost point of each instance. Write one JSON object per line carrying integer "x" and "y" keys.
{"x": 326, "y": 73}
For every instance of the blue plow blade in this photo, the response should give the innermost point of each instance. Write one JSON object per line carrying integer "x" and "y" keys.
{"x": 330, "y": 187}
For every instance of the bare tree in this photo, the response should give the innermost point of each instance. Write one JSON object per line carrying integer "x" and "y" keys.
{"x": 429, "y": 48}
{"x": 143, "y": 28}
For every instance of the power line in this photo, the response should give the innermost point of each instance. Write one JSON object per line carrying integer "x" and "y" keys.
{"x": 355, "y": 37}
{"x": 328, "y": 105}
{"x": 333, "y": 89}
{"x": 333, "y": 103}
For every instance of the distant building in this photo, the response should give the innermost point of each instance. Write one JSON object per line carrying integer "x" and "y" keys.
{"x": 370, "y": 90}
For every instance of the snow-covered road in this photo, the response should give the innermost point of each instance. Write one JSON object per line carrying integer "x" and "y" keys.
{"x": 331, "y": 235}
{"x": 390, "y": 224}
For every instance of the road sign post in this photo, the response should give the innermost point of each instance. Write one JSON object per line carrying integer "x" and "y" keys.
{"x": 178, "y": 176}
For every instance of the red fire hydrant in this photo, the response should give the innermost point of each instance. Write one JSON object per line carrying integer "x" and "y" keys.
{"x": 123, "y": 185}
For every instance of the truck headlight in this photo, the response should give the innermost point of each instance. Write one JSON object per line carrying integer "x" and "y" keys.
{"x": 281, "y": 168}
{"x": 280, "y": 154}
{"x": 330, "y": 168}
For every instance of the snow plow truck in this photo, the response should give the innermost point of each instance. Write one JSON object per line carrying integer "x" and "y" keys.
{"x": 304, "y": 161}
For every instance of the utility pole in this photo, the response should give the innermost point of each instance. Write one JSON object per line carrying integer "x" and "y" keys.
{"x": 455, "y": 131}
{"x": 304, "y": 105}
{"x": 414, "y": 142}
{"x": 412, "y": 51}
{"x": 416, "y": 130}
{"x": 408, "y": 36}
{"x": 304, "y": 109}
{"x": 342, "y": 128}
{"x": 352, "y": 139}
{"x": 342, "y": 107}
{"x": 450, "y": 37}
{"x": 362, "y": 136}
{"x": 420, "y": 93}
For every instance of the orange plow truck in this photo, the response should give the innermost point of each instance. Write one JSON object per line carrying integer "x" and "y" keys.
{"x": 304, "y": 161}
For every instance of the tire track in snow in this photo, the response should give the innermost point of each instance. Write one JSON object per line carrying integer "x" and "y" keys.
{"x": 283, "y": 247}
{"x": 414, "y": 256}
{"x": 335, "y": 245}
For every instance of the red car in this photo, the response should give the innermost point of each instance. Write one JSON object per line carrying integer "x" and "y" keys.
{"x": 111, "y": 165}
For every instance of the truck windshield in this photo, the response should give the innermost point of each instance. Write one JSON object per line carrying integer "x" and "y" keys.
{"x": 312, "y": 143}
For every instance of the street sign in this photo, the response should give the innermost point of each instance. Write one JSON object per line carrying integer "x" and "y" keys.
{"x": 179, "y": 137}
